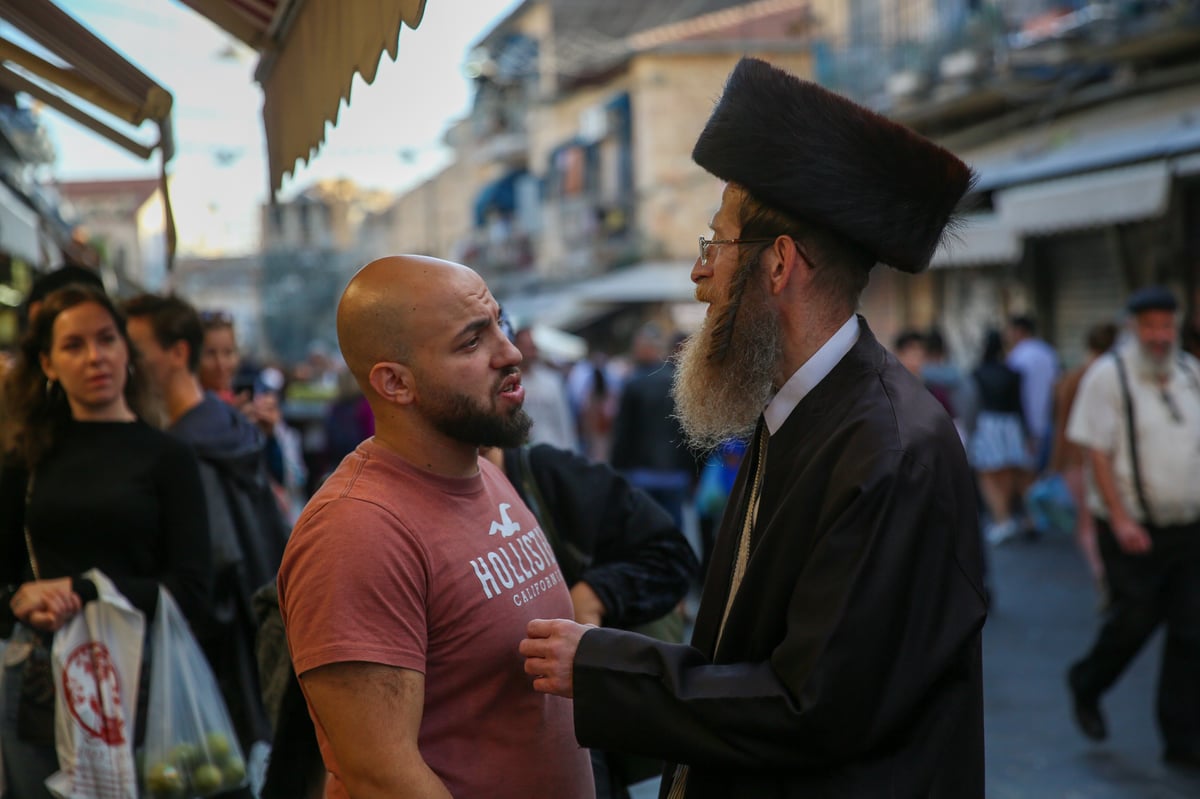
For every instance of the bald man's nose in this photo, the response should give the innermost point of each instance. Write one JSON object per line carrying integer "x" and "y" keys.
{"x": 508, "y": 355}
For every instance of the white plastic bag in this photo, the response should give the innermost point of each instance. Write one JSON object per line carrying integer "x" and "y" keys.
{"x": 191, "y": 748}
{"x": 97, "y": 659}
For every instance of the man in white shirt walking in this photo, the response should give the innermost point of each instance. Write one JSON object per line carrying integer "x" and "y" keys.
{"x": 1137, "y": 415}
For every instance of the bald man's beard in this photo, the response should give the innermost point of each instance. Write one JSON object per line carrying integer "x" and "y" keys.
{"x": 465, "y": 419}
{"x": 725, "y": 373}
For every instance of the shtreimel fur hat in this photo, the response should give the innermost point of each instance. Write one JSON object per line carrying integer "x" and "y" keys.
{"x": 822, "y": 158}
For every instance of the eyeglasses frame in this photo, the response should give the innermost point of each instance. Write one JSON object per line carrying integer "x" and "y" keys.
{"x": 706, "y": 243}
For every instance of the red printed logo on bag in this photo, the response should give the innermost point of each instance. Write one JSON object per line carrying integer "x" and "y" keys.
{"x": 92, "y": 689}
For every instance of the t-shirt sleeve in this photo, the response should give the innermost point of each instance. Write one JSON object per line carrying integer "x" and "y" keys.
{"x": 353, "y": 587}
{"x": 1093, "y": 419}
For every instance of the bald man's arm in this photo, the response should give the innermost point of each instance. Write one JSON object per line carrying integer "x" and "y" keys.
{"x": 372, "y": 715}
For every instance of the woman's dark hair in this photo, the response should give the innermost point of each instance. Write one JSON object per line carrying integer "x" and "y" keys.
{"x": 599, "y": 382}
{"x": 38, "y": 410}
{"x": 993, "y": 346}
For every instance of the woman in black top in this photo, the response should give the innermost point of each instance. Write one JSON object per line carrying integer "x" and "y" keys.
{"x": 108, "y": 492}
{"x": 996, "y": 446}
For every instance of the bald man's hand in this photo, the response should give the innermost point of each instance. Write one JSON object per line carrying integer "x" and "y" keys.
{"x": 550, "y": 654}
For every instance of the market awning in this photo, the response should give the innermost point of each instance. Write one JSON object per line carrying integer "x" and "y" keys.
{"x": 73, "y": 61}
{"x": 1094, "y": 199}
{"x": 499, "y": 195}
{"x": 1162, "y": 126}
{"x": 310, "y": 51}
{"x": 980, "y": 240}
{"x": 651, "y": 281}
{"x": 86, "y": 67}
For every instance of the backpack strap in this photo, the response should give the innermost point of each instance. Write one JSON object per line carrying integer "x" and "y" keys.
{"x": 572, "y": 561}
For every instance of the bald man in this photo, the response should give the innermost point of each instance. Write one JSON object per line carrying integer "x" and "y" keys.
{"x": 415, "y": 569}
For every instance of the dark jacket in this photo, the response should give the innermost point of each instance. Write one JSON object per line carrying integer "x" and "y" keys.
{"x": 609, "y": 534}
{"x": 850, "y": 664}
{"x": 248, "y": 536}
{"x": 646, "y": 434}
{"x": 999, "y": 388}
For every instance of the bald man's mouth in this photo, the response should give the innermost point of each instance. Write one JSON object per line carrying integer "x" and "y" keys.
{"x": 511, "y": 388}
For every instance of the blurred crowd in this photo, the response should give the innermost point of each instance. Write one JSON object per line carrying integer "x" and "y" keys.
{"x": 215, "y": 457}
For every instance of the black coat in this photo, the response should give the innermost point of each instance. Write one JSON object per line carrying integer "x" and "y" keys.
{"x": 609, "y": 534}
{"x": 646, "y": 434}
{"x": 850, "y": 665}
{"x": 248, "y": 535}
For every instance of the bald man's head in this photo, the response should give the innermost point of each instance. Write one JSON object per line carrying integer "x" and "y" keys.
{"x": 388, "y": 306}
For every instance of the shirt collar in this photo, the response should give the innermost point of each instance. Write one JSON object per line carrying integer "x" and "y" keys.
{"x": 810, "y": 374}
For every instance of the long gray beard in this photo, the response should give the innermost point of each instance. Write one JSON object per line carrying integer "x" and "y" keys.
{"x": 720, "y": 400}
{"x": 1151, "y": 367}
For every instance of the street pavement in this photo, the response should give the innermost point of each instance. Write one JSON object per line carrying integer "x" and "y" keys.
{"x": 1044, "y": 615}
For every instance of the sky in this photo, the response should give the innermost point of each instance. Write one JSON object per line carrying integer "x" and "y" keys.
{"x": 388, "y": 137}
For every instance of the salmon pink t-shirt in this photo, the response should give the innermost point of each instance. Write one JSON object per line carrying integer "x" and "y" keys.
{"x": 393, "y": 565}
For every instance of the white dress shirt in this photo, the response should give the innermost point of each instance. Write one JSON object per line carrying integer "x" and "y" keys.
{"x": 810, "y": 374}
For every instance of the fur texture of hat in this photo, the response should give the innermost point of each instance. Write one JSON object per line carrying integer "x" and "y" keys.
{"x": 820, "y": 157}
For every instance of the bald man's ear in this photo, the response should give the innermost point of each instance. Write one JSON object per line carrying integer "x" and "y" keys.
{"x": 393, "y": 382}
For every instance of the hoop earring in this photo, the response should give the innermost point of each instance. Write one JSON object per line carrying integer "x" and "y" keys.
{"x": 50, "y": 384}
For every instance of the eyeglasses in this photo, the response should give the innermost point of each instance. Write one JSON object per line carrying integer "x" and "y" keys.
{"x": 706, "y": 243}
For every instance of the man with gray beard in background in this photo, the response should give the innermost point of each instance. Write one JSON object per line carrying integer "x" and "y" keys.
{"x": 836, "y": 651}
{"x": 1137, "y": 415}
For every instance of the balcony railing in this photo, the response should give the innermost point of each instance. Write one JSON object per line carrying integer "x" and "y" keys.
{"x": 937, "y": 55}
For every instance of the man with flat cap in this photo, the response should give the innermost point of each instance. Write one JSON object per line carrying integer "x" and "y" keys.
{"x": 1137, "y": 416}
{"x": 416, "y": 566}
{"x": 836, "y": 651}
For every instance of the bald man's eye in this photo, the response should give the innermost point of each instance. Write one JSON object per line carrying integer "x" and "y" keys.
{"x": 471, "y": 343}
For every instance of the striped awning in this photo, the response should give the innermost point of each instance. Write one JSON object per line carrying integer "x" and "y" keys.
{"x": 310, "y": 51}
{"x": 85, "y": 68}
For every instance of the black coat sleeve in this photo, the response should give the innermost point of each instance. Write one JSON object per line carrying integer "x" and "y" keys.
{"x": 635, "y": 558}
{"x": 880, "y": 616}
{"x": 625, "y": 430}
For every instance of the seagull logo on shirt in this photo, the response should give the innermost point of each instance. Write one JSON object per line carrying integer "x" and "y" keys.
{"x": 506, "y": 527}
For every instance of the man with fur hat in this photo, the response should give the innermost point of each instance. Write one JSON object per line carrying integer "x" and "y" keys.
{"x": 837, "y": 647}
{"x": 1137, "y": 416}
